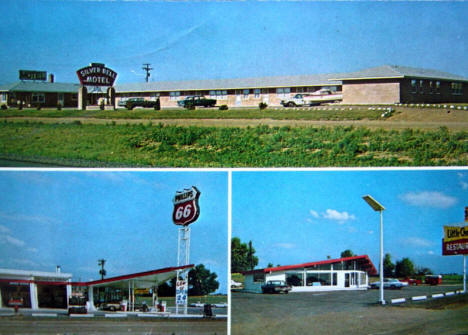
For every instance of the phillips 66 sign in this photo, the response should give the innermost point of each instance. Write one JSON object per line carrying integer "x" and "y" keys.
{"x": 186, "y": 209}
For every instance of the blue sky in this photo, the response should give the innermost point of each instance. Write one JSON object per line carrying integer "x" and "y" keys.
{"x": 73, "y": 219}
{"x": 215, "y": 39}
{"x": 296, "y": 217}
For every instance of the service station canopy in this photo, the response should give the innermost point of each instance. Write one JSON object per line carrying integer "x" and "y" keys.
{"x": 96, "y": 74}
{"x": 146, "y": 279}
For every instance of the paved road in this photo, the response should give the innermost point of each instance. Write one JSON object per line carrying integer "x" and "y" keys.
{"x": 352, "y": 312}
{"x": 29, "y": 326}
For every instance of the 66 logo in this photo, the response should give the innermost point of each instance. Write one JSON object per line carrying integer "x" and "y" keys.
{"x": 186, "y": 209}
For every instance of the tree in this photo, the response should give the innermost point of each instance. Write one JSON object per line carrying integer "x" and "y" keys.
{"x": 404, "y": 268}
{"x": 388, "y": 266}
{"x": 202, "y": 281}
{"x": 242, "y": 256}
{"x": 347, "y": 253}
{"x": 421, "y": 271}
{"x": 270, "y": 265}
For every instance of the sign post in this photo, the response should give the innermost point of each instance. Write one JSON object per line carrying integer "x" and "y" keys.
{"x": 96, "y": 74}
{"x": 455, "y": 242}
{"x": 186, "y": 211}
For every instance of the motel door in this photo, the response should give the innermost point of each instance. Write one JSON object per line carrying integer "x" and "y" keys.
{"x": 238, "y": 97}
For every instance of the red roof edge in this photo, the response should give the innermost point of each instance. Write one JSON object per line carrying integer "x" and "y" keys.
{"x": 102, "y": 281}
{"x": 133, "y": 275}
{"x": 371, "y": 269}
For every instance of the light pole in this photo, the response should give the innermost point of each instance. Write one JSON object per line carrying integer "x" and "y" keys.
{"x": 376, "y": 206}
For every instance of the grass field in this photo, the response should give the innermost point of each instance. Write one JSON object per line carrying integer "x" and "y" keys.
{"x": 78, "y": 144}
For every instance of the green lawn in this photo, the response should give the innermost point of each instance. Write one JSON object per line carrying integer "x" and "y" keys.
{"x": 157, "y": 145}
{"x": 149, "y": 114}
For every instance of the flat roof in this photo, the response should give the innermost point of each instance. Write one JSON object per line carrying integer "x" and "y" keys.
{"x": 364, "y": 262}
{"x": 397, "y": 71}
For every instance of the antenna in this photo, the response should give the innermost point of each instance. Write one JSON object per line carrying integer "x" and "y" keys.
{"x": 147, "y": 68}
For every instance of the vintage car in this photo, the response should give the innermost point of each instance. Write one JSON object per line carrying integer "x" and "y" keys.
{"x": 276, "y": 286}
{"x": 140, "y": 102}
{"x": 390, "y": 283}
{"x": 196, "y": 101}
{"x": 312, "y": 99}
{"x": 412, "y": 281}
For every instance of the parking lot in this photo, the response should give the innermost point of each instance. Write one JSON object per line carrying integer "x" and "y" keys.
{"x": 347, "y": 312}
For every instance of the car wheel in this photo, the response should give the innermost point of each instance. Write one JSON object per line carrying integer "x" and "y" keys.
{"x": 112, "y": 309}
{"x": 291, "y": 104}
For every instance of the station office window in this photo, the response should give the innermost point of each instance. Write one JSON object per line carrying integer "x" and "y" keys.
{"x": 174, "y": 95}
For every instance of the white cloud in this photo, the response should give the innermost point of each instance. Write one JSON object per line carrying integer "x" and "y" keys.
{"x": 429, "y": 199}
{"x": 314, "y": 213}
{"x": 14, "y": 241}
{"x": 332, "y": 214}
{"x": 417, "y": 242}
{"x": 4, "y": 229}
{"x": 371, "y": 232}
{"x": 284, "y": 245}
{"x": 32, "y": 250}
{"x": 37, "y": 219}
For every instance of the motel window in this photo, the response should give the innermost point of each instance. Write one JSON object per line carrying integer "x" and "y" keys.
{"x": 431, "y": 87}
{"x": 219, "y": 94}
{"x": 259, "y": 277}
{"x": 38, "y": 98}
{"x": 174, "y": 95}
{"x": 283, "y": 92}
{"x": 414, "y": 86}
{"x": 421, "y": 84}
{"x": 437, "y": 88}
{"x": 3, "y": 97}
{"x": 257, "y": 93}
{"x": 295, "y": 279}
{"x": 246, "y": 93}
{"x": 457, "y": 88}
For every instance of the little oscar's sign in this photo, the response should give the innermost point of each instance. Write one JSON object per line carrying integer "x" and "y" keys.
{"x": 455, "y": 241}
{"x": 96, "y": 74}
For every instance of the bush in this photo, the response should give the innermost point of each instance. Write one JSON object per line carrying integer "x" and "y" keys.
{"x": 4, "y": 107}
{"x": 262, "y": 105}
{"x": 38, "y": 107}
{"x": 157, "y": 105}
{"x": 223, "y": 108}
{"x": 102, "y": 105}
{"x": 59, "y": 106}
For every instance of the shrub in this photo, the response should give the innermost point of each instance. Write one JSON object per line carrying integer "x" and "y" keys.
{"x": 59, "y": 106}
{"x": 262, "y": 105}
{"x": 101, "y": 105}
{"x": 223, "y": 108}
{"x": 157, "y": 105}
{"x": 4, "y": 107}
{"x": 38, "y": 107}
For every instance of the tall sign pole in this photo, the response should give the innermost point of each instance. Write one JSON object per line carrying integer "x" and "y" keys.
{"x": 186, "y": 211}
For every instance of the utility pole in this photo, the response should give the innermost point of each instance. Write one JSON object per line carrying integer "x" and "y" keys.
{"x": 147, "y": 68}
{"x": 102, "y": 272}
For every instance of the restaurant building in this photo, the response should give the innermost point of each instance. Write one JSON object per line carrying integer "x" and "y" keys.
{"x": 349, "y": 273}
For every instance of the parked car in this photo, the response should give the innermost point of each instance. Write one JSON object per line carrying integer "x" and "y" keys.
{"x": 235, "y": 284}
{"x": 140, "y": 102}
{"x": 196, "y": 101}
{"x": 390, "y": 283}
{"x": 412, "y": 281}
{"x": 433, "y": 279}
{"x": 276, "y": 286}
{"x": 312, "y": 99}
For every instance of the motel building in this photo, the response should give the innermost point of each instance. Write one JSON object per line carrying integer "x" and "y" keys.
{"x": 38, "y": 290}
{"x": 350, "y": 273}
{"x": 386, "y": 84}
